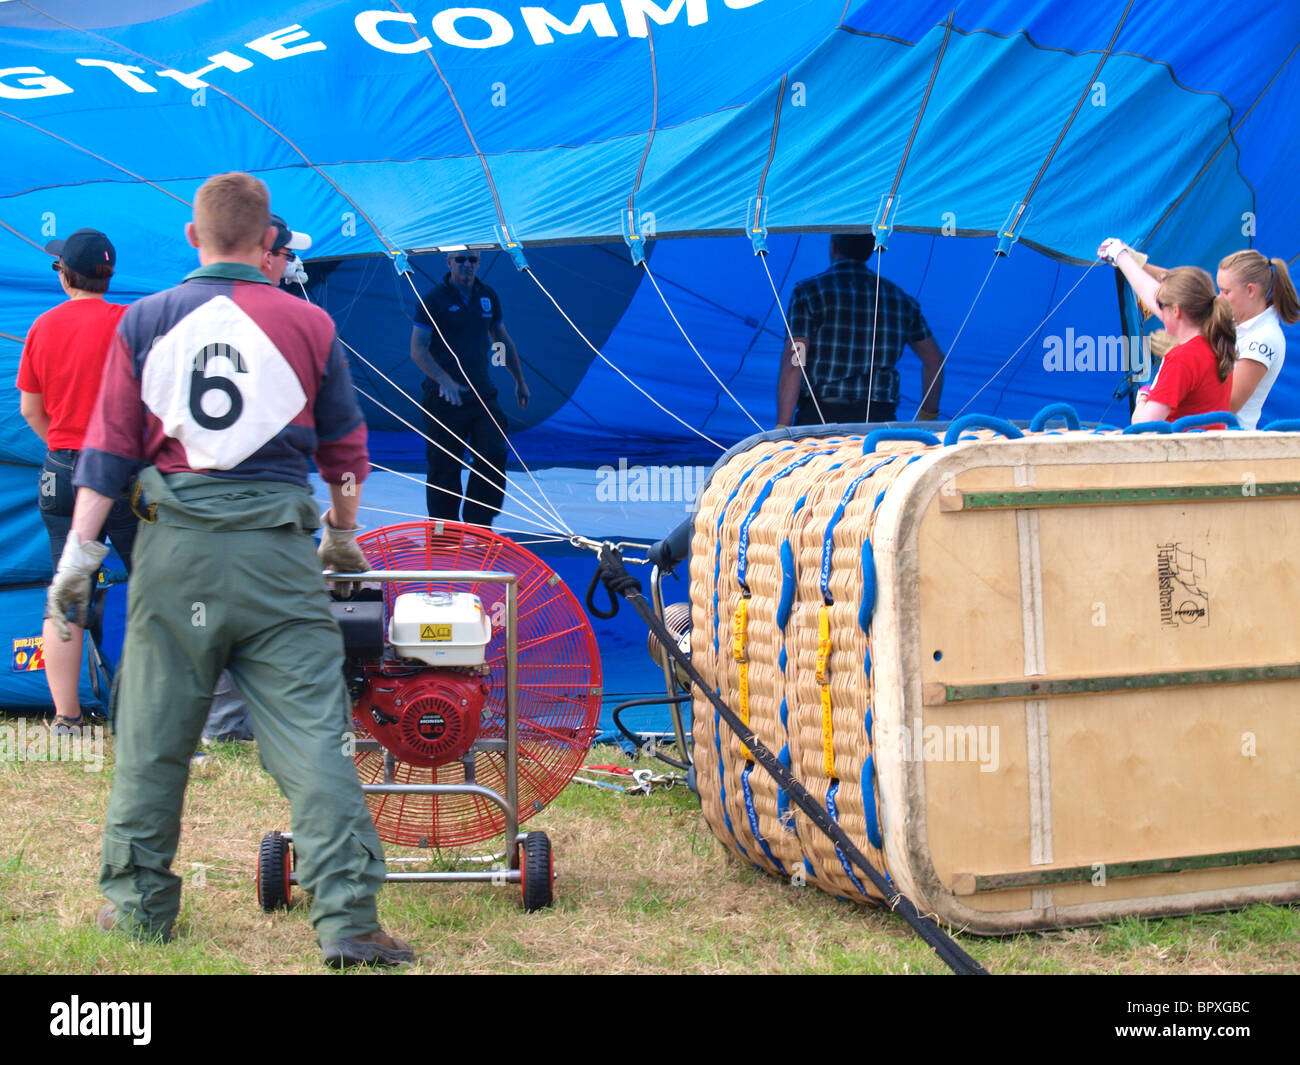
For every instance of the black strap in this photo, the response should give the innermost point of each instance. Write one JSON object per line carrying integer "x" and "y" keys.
{"x": 616, "y": 579}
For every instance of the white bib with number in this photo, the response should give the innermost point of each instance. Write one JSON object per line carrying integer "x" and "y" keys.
{"x": 220, "y": 386}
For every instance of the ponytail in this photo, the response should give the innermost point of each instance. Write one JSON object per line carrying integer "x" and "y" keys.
{"x": 1221, "y": 332}
{"x": 1283, "y": 299}
{"x": 1269, "y": 276}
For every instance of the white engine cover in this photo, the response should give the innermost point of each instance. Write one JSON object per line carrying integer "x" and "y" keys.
{"x": 441, "y": 628}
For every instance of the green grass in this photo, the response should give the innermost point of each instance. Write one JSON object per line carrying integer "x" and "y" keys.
{"x": 642, "y": 887}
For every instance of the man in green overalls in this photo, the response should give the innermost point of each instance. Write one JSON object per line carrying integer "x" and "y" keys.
{"x": 222, "y": 388}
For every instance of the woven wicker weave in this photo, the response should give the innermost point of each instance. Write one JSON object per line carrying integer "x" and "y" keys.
{"x": 785, "y": 495}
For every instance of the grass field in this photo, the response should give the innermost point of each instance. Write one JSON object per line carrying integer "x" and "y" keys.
{"x": 642, "y": 888}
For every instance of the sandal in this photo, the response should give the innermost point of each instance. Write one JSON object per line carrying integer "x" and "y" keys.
{"x": 66, "y": 726}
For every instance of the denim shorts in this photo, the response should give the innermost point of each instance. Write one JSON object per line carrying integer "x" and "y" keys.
{"x": 57, "y": 497}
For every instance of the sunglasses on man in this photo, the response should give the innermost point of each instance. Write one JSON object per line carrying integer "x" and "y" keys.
{"x": 462, "y": 259}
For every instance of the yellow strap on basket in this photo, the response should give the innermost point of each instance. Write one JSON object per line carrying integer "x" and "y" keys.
{"x": 823, "y": 679}
{"x": 739, "y": 624}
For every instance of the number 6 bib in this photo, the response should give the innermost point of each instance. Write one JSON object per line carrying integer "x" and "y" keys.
{"x": 220, "y": 386}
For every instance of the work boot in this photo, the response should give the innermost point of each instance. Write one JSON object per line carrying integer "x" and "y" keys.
{"x": 373, "y": 949}
{"x": 108, "y": 920}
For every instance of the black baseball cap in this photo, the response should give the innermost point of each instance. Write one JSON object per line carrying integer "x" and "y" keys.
{"x": 287, "y": 238}
{"x": 86, "y": 252}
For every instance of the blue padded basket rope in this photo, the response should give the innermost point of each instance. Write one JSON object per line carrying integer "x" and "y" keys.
{"x": 1147, "y": 427}
{"x": 1283, "y": 425}
{"x": 868, "y": 586}
{"x": 980, "y": 421}
{"x": 1054, "y": 410}
{"x": 1214, "y": 417}
{"x": 879, "y": 436}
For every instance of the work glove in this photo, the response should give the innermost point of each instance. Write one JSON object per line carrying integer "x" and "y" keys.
{"x": 1112, "y": 246}
{"x": 338, "y": 550}
{"x": 295, "y": 272}
{"x": 70, "y": 589}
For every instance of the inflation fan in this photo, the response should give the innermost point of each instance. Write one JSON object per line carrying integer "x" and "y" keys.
{"x": 427, "y": 663}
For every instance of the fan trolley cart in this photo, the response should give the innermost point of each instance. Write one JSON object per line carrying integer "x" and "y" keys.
{"x": 417, "y": 730}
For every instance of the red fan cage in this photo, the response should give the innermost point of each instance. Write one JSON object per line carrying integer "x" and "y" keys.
{"x": 559, "y": 686}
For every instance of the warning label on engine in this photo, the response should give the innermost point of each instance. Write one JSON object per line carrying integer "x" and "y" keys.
{"x": 435, "y": 632}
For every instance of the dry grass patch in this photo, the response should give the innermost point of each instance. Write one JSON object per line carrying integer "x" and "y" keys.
{"x": 642, "y": 887}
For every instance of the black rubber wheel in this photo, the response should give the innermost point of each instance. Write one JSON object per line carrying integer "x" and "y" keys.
{"x": 536, "y": 871}
{"x": 274, "y": 863}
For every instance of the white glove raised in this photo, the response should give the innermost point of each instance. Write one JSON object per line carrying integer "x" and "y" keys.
{"x": 70, "y": 590}
{"x": 338, "y": 549}
{"x": 1111, "y": 248}
{"x": 295, "y": 272}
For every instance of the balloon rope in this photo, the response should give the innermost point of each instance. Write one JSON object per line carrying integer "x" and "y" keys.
{"x": 465, "y": 443}
{"x": 797, "y": 355}
{"x": 320, "y": 173}
{"x": 549, "y": 505}
{"x": 451, "y": 492}
{"x": 495, "y": 528}
{"x": 600, "y": 355}
{"x": 93, "y": 155}
{"x": 646, "y": 266}
{"x": 875, "y": 317}
{"x": 545, "y": 521}
{"x": 1032, "y": 334}
{"x": 953, "y": 346}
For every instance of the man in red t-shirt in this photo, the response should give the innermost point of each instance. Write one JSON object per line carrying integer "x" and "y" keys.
{"x": 62, "y": 364}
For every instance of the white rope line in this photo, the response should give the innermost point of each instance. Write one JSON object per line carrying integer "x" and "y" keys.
{"x": 464, "y": 443}
{"x": 952, "y": 347}
{"x": 545, "y": 521}
{"x": 445, "y": 429}
{"x": 795, "y": 353}
{"x": 600, "y": 355}
{"x": 1027, "y": 339}
{"x": 426, "y": 518}
{"x": 449, "y": 492}
{"x": 504, "y": 435}
{"x": 722, "y": 385}
{"x": 875, "y": 319}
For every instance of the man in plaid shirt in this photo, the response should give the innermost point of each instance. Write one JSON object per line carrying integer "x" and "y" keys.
{"x": 849, "y": 328}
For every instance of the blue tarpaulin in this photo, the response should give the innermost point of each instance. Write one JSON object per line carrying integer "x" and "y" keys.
{"x": 569, "y": 127}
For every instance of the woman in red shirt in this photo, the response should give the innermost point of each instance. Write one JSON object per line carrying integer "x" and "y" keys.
{"x": 1196, "y": 375}
{"x": 59, "y": 377}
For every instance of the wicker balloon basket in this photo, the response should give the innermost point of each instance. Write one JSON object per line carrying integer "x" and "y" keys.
{"x": 1039, "y": 681}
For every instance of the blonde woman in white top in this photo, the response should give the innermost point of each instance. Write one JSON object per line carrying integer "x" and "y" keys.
{"x": 1262, "y": 297}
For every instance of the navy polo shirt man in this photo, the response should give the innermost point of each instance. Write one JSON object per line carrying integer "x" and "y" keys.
{"x": 457, "y": 331}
